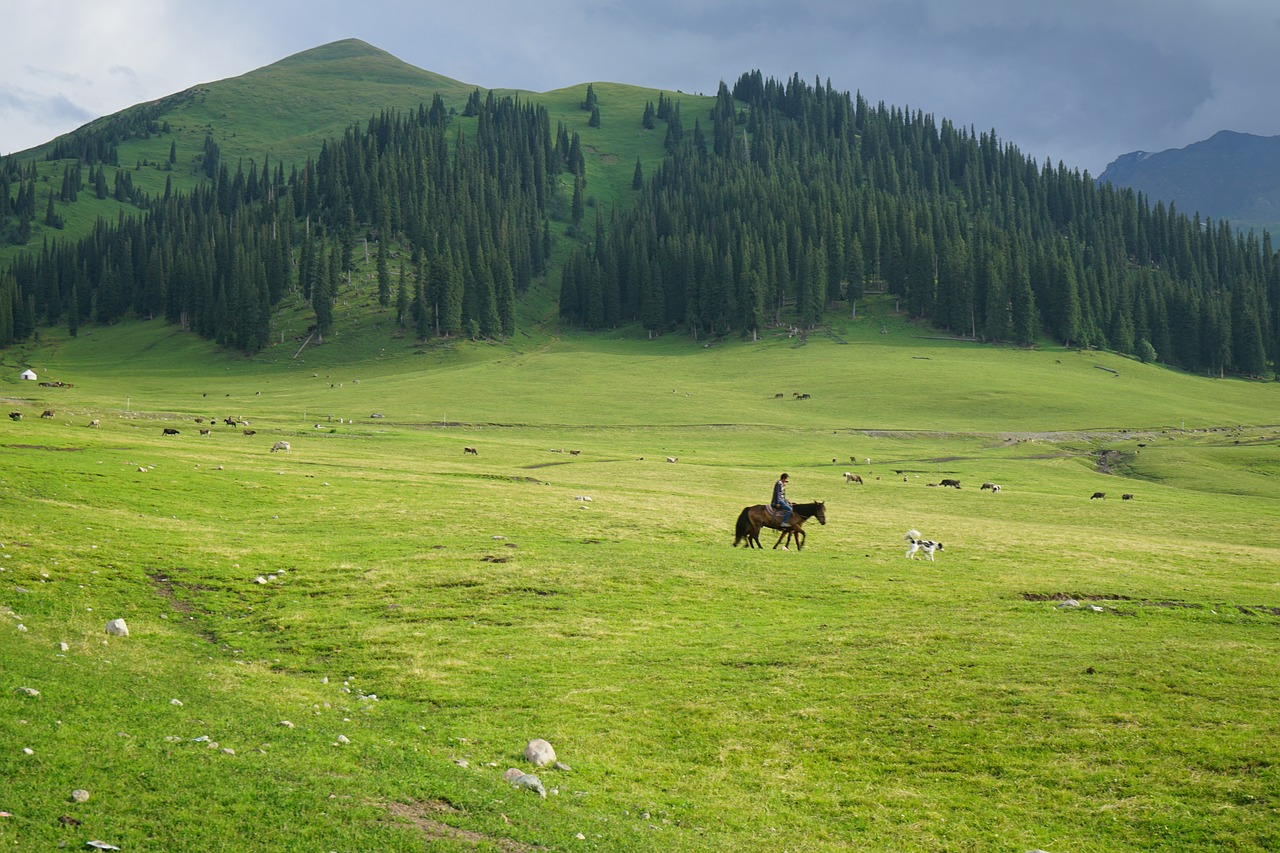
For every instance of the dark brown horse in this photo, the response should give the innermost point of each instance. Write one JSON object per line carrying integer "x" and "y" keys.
{"x": 755, "y": 517}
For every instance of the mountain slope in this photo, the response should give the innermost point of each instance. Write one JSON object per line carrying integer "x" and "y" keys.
{"x": 1233, "y": 176}
{"x": 282, "y": 114}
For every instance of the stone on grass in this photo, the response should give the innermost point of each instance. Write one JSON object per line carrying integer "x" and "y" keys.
{"x": 30, "y": 691}
{"x": 80, "y": 795}
{"x": 531, "y": 783}
{"x": 538, "y": 752}
{"x": 117, "y": 628}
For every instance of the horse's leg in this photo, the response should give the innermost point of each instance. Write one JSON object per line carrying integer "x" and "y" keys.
{"x": 786, "y": 534}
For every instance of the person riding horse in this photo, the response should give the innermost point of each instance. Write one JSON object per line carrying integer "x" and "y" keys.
{"x": 780, "y": 502}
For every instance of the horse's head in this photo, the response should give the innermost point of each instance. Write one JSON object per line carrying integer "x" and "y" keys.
{"x": 820, "y": 512}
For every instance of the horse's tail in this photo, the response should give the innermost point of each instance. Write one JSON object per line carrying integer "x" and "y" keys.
{"x": 743, "y": 529}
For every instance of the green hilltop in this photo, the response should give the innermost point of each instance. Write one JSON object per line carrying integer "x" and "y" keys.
{"x": 282, "y": 114}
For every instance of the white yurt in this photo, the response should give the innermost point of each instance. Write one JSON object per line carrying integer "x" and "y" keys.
{"x": 29, "y": 374}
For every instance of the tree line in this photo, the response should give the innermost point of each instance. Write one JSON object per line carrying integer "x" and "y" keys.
{"x": 471, "y": 214}
{"x": 802, "y": 198}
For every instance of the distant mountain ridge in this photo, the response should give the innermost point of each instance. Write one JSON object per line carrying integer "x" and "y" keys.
{"x": 1232, "y": 176}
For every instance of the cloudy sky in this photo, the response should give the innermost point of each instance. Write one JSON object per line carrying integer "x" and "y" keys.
{"x": 1081, "y": 81}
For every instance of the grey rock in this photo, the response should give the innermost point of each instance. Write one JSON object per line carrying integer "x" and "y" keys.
{"x": 539, "y": 753}
{"x": 530, "y": 782}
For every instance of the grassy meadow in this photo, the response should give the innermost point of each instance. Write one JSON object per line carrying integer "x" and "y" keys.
{"x": 417, "y": 614}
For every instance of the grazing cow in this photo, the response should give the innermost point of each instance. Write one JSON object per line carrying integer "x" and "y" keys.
{"x": 17, "y": 416}
{"x": 986, "y": 486}
{"x": 995, "y": 488}
{"x": 778, "y": 396}
{"x": 672, "y": 458}
{"x": 470, "y": 450}
{"x": 95, "y": 423}
{"x": 170, "y": 431}
{"x": 955, "y": 484}
{"x": 850, "y": 477}
{"x": 47, "y": 413}
{"x": 280, "y": 445}
{"x": 1098, "y": 496}
{"x": 574, "y": 452}
{"x": 205, "y": 432}
{"x": 250, "y": 432}
{"x": 1126, "y": 497}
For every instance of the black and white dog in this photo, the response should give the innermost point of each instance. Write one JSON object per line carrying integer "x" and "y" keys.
{"x": 918, "y": 544}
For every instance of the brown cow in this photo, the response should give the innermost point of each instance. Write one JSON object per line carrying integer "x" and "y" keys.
{"x": 852, "y": 478}
{"x": 955, "y": 484}
{"x": 470, "y": 450}
{"x": 1126, "y": 497}
{"x": 1098, "y": 496}
{"x": 250, "y": 432}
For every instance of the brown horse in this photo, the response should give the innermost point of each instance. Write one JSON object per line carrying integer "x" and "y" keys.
{"x": 755, "y": 517}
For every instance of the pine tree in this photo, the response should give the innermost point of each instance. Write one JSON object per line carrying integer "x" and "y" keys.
{"x": 578, "y": 209}
{"x": 384, "y": 273}
{"x": 322, "y": 293}
{"x": 402, "y": 298}
{"x": 648, "y": 120}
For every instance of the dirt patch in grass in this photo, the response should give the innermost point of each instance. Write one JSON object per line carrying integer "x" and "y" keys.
{"x": 165, "y": 587}
{"x": 420, "y": 815}
{"x": 1067, "y": 596}
{"x": 1246, "y": 609}
{"x": 44, "y": 447}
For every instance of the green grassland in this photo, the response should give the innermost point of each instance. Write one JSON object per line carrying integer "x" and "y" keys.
{"x": 703, "y": 697}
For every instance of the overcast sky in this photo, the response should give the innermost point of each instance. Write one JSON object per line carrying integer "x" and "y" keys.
{"x": 1082, "y": 82}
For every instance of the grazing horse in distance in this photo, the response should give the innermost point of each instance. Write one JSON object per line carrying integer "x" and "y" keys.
{"x": 755, "y": 517}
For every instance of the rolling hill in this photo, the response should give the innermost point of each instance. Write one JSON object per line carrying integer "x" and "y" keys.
{"x": 280, "y": 114}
